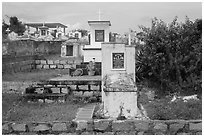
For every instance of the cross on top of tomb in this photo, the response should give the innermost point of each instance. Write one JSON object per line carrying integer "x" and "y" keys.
{"x": 99, "y": 15}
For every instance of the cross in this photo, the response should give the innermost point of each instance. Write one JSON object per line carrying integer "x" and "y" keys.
{"x": 99, "y": 15}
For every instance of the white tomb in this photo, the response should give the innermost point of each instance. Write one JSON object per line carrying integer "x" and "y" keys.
{"x": 99, "y": 33}
{"x": 119, "y": 91}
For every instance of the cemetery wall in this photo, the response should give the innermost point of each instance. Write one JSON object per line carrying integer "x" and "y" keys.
{"x": 13, "y": 64}
{"x": 56, "y": 64}
{"x": 106, "y": 127}
{"x": 20, "y": 56}
{"x": 30, "y": 47}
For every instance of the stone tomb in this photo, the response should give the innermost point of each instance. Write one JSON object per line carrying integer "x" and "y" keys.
{"x": 119, "y": 92}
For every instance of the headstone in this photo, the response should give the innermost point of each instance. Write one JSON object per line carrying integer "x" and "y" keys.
{"x": 119, "y": 92}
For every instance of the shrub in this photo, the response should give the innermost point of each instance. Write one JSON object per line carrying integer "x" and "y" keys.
{"x": 171, "y": 55}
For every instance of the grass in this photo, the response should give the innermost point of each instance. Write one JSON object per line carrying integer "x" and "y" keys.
{"x": 15, "y": 110}
{"x": 162, "y": 109}
{"x": 37, "y": 111}
{"x": 34, "y": 75}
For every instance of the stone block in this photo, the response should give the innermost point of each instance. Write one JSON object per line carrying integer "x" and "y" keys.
{"x": 198, "y": 133}
{"x": 121, "y": 125}
{"x": 37, "y": 62}
{"x": 175, "y": 127}
{"x": 41, "y": 128}
{"x": 141, "y": 125}
{"x": 46, "y": 66}
{"x": 53, "y": 66}
{"x": 70, "y": 61}
{"x": 39, "y": 66}
{"x": 160, "y": 126}
{"x": 77, "y": 61}
{"x": 87, "y": 133}
{"x": 195, "y": 126}
{"x": 63, "y": 62}
{"x": 60, "y": 66}
{"x": 6, "y": 128}
{"x": 126, "y": 133}
{"x": 59, "y": 127}
{"x": 102, "y": 125}
{"x": 81, "y": 125}
{"x": 67, "y": 66}
{"x": 73, "y": 65}
{"x": 183, "y": 133}
{"x": 43, "y": 62}
{"x": 19, "y": 127}
{"x": 140, "y": 133}
{"x": 50, "y": 62}
{"x": 105, "y": 133}
{"x": 56, "y": 62}
{"x": 71, "y": 126}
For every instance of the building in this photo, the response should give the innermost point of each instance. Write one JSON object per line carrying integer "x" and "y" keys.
{"x": 75, "y": 34}
{"x": 44, "y": 29}
{"x": 99, "y": 33}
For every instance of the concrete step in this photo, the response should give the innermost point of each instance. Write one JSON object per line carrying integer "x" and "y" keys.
{"x": 85, "y": 113}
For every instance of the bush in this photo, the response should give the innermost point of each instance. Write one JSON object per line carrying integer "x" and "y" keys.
{"x": 171, "y": 55}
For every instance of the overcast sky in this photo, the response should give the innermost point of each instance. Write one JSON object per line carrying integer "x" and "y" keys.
{"x": 122, "y": 15}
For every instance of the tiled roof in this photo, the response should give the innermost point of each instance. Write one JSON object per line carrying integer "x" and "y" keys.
{"x": 49, "y": 25}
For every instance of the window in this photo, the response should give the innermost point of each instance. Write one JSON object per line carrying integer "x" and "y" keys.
{"x": 99, "y": 35}
{"x": 43, "y": 33}
{"x": 118, "y": 61}
{"x": 76, "y": 35}
{"x": 69, "y": 50}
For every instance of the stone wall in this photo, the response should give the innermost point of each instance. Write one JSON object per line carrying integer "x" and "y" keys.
{"x": 30, "y": 47}
{"x": 20, "y": 55}
{"x": 56, "y": 64}
{"x": 106, "y": 127}
{"x": 12, "y": 64}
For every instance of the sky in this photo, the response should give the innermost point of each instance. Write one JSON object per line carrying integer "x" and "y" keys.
{"x": 122, "y": 15}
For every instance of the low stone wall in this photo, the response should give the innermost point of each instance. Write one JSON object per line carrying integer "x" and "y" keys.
{"x": 56, "y": 64}
{"x": 18, "y": 64}
{"x": 106, "y": 127}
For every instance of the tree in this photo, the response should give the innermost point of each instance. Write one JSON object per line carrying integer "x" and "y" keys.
{"x": 16, "y": 26}
{"x": 4, "y": 28}
{"x": 172, "y": 54}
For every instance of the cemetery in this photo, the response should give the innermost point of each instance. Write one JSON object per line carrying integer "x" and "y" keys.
{"x": 97, "y": 94}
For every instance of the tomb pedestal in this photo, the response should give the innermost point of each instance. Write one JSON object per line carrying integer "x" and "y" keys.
{"x": 119, "y": 91}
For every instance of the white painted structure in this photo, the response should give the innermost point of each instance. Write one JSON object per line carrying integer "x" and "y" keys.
{"x": 99, "y": 33}
{"x": 70, "y": 48}
{"x": 118, "y": 60}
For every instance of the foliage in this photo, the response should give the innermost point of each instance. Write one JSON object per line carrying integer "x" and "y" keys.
{"x": 4, "y": 28}
{"x": 16, "y": 26}
{"x": 164, "y": 110}
{"x": 171, "y": 55}
{"x": 83, "y": 32}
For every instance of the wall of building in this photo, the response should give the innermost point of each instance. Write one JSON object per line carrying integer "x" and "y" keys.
{"x": 105, "y": 127}
{"x": 104, "y": 27}
{"x": 90, "y": 54}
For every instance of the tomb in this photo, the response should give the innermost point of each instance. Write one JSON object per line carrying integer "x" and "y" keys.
{"x": 99, "y": 33}
{"x": 71, "y": 48}
{"x": 119, "y": 91}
